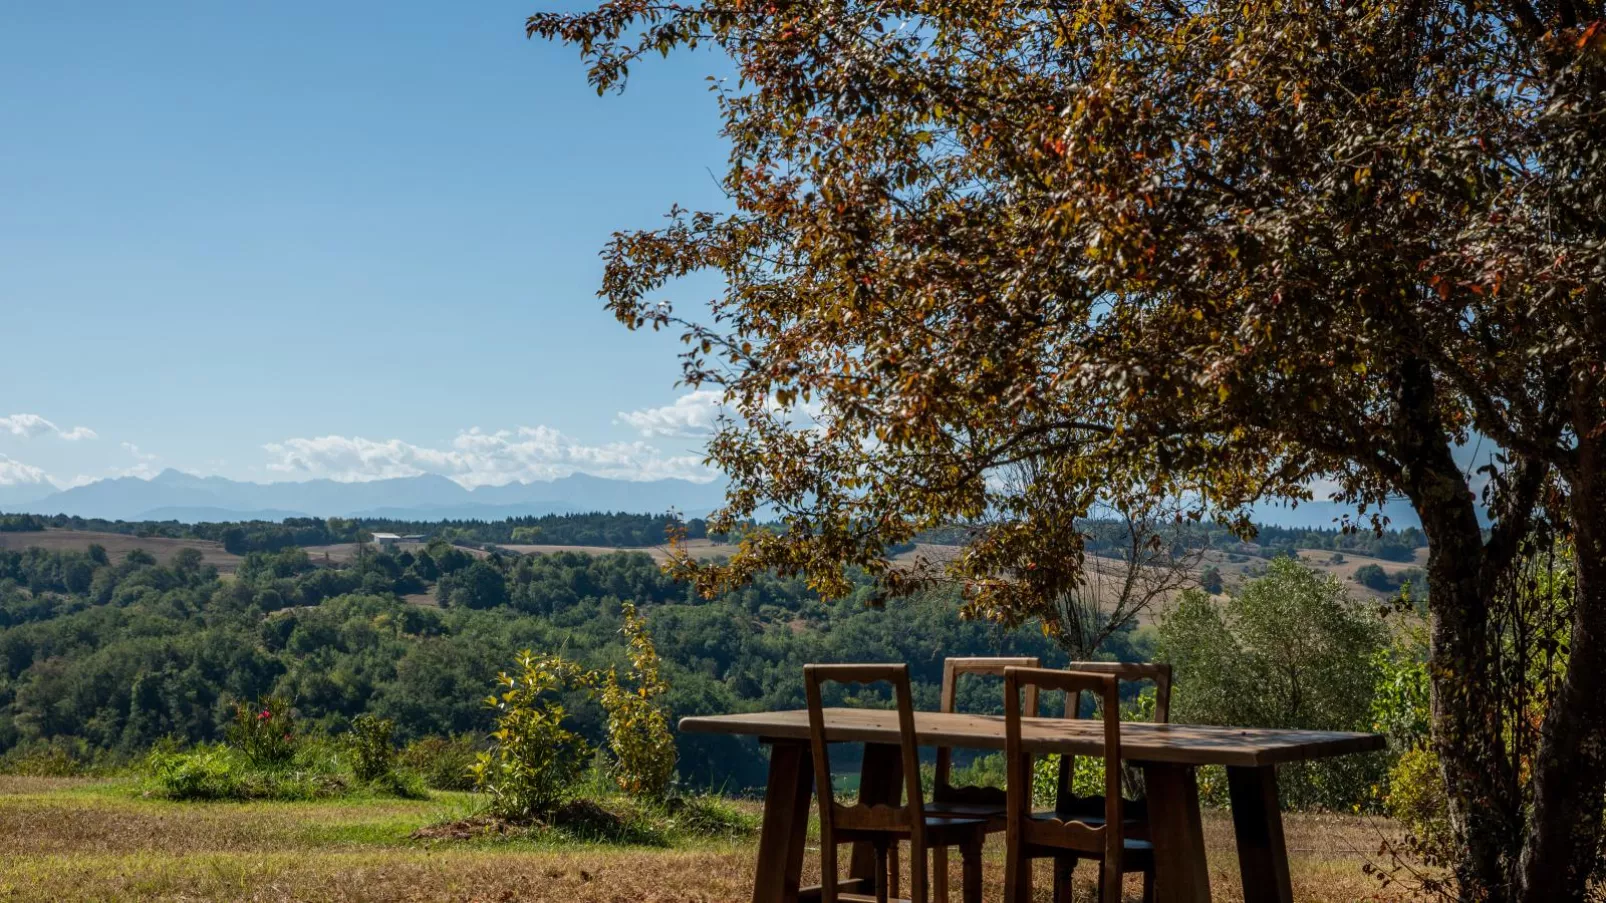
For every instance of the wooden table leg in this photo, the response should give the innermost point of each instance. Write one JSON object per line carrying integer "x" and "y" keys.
{"x": 1258, "y": 821}
{"x": 786, "y": 822}
{"x": 1180, "y": 872}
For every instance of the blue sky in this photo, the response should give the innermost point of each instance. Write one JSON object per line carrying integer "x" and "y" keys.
{"x": 278, "y": 241}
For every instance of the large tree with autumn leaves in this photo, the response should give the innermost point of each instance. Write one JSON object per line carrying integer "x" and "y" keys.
{"x": 1000, "y": 262}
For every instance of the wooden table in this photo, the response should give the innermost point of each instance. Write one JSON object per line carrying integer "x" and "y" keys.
{"x": 1167, "y": 753}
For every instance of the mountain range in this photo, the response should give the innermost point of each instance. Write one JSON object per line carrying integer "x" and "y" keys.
{"x": 173, "y": 495}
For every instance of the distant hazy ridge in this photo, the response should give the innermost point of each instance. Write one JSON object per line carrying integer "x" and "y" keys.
{"x": 172, "y": 495}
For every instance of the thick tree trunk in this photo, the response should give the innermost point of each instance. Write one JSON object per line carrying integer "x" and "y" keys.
{"x": 1467, "y": 731}
{"x": 1564, "y": 835}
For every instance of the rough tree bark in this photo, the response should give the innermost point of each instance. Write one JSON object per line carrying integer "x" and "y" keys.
{"x": 1569, "y": 788}
{"x": 1465, "y": 708}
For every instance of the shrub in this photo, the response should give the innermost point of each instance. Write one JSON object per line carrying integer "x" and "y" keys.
{"x": 1290, "y": 650}
{"x": 1087, "y": 778}
{"x": 534, "y": 760}
{"x": 264, "y": 733}
{"x": 207, "y": 773}
{"x": 638, "y": 727}
{"x": 53, "y": 760}
{"x": 1416, "y": 799}
{"x": 1373, "y": 577}
{"x": 225, "y": 773}
{"x": 372, "y": 753}
{"x": 705, "y": 815}
{"x": 444, "y": 763}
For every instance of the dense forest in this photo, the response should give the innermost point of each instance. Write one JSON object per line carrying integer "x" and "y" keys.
{"x": 107, "y": 657}
{"x": 643, "y": 530}
{"x": 591, "y": 529}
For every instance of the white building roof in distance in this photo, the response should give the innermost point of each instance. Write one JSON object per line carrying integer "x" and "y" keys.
{"x": 380, "y": 537}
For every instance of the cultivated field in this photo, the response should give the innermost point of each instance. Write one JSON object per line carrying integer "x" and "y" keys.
{"x": 1109, "y": 572}
{"x": 342, "y": 553}
{"x": 117, "y": 545}
{"x": 70, "y": 839}
{"x": 699, "y": 548}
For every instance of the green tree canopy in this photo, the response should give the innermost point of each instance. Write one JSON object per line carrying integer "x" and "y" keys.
{"x": 1006, "y": 261}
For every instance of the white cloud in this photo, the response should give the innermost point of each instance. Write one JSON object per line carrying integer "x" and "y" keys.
{"x": 30, "y": 425}
{"x": 478, "y": 458}
{"x": 16, "y": 473}
{"x": 691, "y": 416}
{"x": 144, "y": 465}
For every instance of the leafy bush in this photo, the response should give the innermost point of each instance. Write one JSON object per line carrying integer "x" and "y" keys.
{"x": 264, "y": 733}
{"x": 638, "y": 727}
{"x": 443, "y": 763}
{"x": 1087, "y": 778}
{"x": 1400, "y": 701}
{"x": 207, "y": 773}
{"x": 534, "y": 760}
{"x": 1289, "y": 650}
{"x": 223, "y": 772}
{"x": 1372, "y": 576}
{"x": 372, "y": 753}
{"x": 706, "y": 815}
{"x": 46, "y": 760}
{"x": 1417, "y": 800}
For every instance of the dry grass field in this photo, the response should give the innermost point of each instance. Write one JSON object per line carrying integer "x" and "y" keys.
{"x": 700, "y": 548}
{"x": 117, "y": 545}
{"x": 70, "y": 839}
{"x": 342, "y": 553}
{"x": 1110, "y": 572}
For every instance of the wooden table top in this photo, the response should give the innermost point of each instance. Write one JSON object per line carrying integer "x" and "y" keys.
{"x": 1184, "y": 744}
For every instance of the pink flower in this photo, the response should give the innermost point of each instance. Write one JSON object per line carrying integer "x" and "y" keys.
{"x": 264, "y": 715}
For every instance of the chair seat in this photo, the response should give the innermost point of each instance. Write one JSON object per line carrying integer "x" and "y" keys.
{"x": 1086, "y": 807}
{"x": 1090, "y": 819}
{"x": 1090, "y": 811}
{"x": 1136, "y": 856}
{"x": 953, "y": 809}
{"x": 941, "y": 831}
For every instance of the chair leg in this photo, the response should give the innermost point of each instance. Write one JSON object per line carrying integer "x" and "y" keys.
{"x": 880, "y": 872}
{"x": 1017, "y": 875}
{"x": 919, "y": 874}
{"x": 1148, "y": 885}
{"x": 892, "y": 868}
{"x": 1064, "y": 870}
{"x": 939, "y": 875}
{"x": 970, "y": 856}
{"x": 1109, "y": 884}
{"x": 828, "y": 872}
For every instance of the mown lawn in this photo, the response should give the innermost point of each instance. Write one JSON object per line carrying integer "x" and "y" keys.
{"x": 70, "y": 839}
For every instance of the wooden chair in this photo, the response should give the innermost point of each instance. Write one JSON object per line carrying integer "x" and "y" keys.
{"x": 988, "y": 803}
{"x": 1033, "y": 835}
{"x": 1066, "y": 802}
{"x": 884, "y": 826}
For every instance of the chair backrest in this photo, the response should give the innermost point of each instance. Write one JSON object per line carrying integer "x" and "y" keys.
{"x": 911, "y": 815}
{"x": 952, "y": 670}
{"x": 1130, "y": 672}
{"x": 1064, "y": 834}
{"x": 1065, "y": 798}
